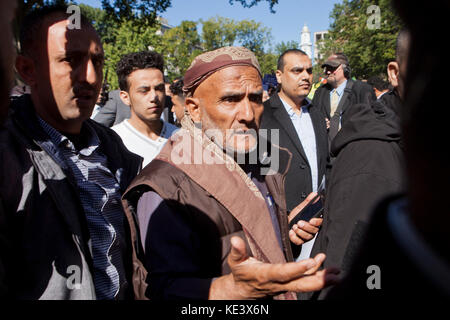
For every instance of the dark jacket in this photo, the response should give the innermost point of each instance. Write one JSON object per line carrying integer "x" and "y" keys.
{"x": 368, "y": 167}
{"x": 355, "y": 92}
{"x": 360, "y": 92}
{"x": 298, "y": 179}
{"x": 395, "y": 262}
{"x": 114, "y": 111}
{"x": 44, "y": 250}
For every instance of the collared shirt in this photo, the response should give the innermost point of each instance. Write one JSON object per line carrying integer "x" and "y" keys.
{"x": 339, "y": 90}
{"x": 304, "y": 127}
{"x": 100, "y": 197}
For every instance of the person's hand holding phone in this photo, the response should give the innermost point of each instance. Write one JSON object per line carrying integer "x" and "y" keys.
{"x": 301, "y": 230}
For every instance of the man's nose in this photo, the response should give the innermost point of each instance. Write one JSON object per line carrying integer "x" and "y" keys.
{"x": 152, "y": 95}
{"x": 246, "y": 112}
{"x": 91, "y": 74}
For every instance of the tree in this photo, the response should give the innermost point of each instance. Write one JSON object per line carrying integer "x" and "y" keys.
{"x": 283, "y": 46}
{"x": 251, "y": 3}
{"x": 180, "y": 45}
{"x": 253, "y": 35}
{"x": 128, "y": 37}
{"x": 139, "y": 11}
{"x": 368, "y": 39}
{"x": 268, "y": 62}
{"x": 218, "y": 32}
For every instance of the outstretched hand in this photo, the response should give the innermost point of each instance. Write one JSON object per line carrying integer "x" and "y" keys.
{"x": 251, "y": 278}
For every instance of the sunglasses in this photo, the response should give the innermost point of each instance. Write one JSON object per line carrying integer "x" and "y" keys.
{"x": 330, "y": 68}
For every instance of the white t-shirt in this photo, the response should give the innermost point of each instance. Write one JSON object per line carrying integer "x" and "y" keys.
{"x": 139, "y": 143}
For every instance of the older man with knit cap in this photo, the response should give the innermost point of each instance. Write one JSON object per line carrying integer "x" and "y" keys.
{"x": 211, "y": 206}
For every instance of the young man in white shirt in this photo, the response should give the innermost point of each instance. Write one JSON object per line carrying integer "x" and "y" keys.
{"x": 141, "y": 83}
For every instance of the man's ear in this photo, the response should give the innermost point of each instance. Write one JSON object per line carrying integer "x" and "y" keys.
{"x": 193, "y": 107}
{"x": 125, "y": 97}
{"x": 26, "y": 68}
{"x": 393, "y": 73}
{"x": 278, "y": 74}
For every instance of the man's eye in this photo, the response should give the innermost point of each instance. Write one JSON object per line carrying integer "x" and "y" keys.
{"x": 69, "y": 59}
{"x": 230, "y": 99}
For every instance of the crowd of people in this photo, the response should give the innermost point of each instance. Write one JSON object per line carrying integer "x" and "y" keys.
{"x": 200, "y": 188}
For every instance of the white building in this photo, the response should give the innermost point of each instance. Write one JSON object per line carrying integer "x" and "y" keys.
{"x": 318, "y": 38}
{"x": 305, "y": 41}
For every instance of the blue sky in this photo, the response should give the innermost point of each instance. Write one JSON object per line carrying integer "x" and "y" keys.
{"x": 286, "y": 24}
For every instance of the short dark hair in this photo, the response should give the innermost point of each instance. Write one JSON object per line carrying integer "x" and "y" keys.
{"x": 378, "y": 83}
{"x": 176, "y": 87}
{"x": 280, "y": 63}
{"x": 31, "y": 26}
{"x": 137, "y": 61}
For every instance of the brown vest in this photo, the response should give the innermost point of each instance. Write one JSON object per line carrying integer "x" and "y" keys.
{"x": 219, "y": 196}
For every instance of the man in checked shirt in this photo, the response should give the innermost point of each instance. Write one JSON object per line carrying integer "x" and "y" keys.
{"x": 63, "y": 232}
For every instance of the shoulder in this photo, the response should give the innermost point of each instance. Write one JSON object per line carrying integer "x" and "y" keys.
{"x": 121, "y": 128}
{"x": 161, "y": 177}
{"x": 108, "y": 136}
{"x": 323, "y": 89}
{"x": 358, "y": 84}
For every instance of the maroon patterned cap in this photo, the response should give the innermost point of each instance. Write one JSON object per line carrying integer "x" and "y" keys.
{"x": 209, "y": 62}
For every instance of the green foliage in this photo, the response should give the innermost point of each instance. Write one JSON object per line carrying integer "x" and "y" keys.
{"x": 253, "y": 36}
{"x": 268, "y": 62}
{"x": 251, "y": 3}
{"x": 369, "y": 50}
{"x": 144, "y": 12}
{"x": 179, "y": 46}
{"x": 128, "y": 37}
{"x": 283, "y": 46}
{"x": 218, "y": 32}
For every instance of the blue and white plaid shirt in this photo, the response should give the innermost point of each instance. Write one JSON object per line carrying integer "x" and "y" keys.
{"x": 100, "y": 197}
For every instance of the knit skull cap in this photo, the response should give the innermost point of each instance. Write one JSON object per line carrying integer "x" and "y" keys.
{"x": 209, "y": 62}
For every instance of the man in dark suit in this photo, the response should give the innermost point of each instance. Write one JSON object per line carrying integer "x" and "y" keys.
{"x": 114, "y": 111}
{"x": 340, "y": 92}
{"x": 301, "y": 125}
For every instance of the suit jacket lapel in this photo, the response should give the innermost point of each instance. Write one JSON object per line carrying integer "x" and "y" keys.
{"x": 281, "y": 115}
{"x": 343, "y": 102}
{"x": 321, "y": 139}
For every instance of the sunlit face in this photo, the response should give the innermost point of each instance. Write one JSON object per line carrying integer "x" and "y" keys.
{"x": 334, "y": 75}
{"x": 296, "y": 76}
{"x": 146, "y": 94}
{"x": 230, "y": 101}
{"x": 69, "y": 76}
